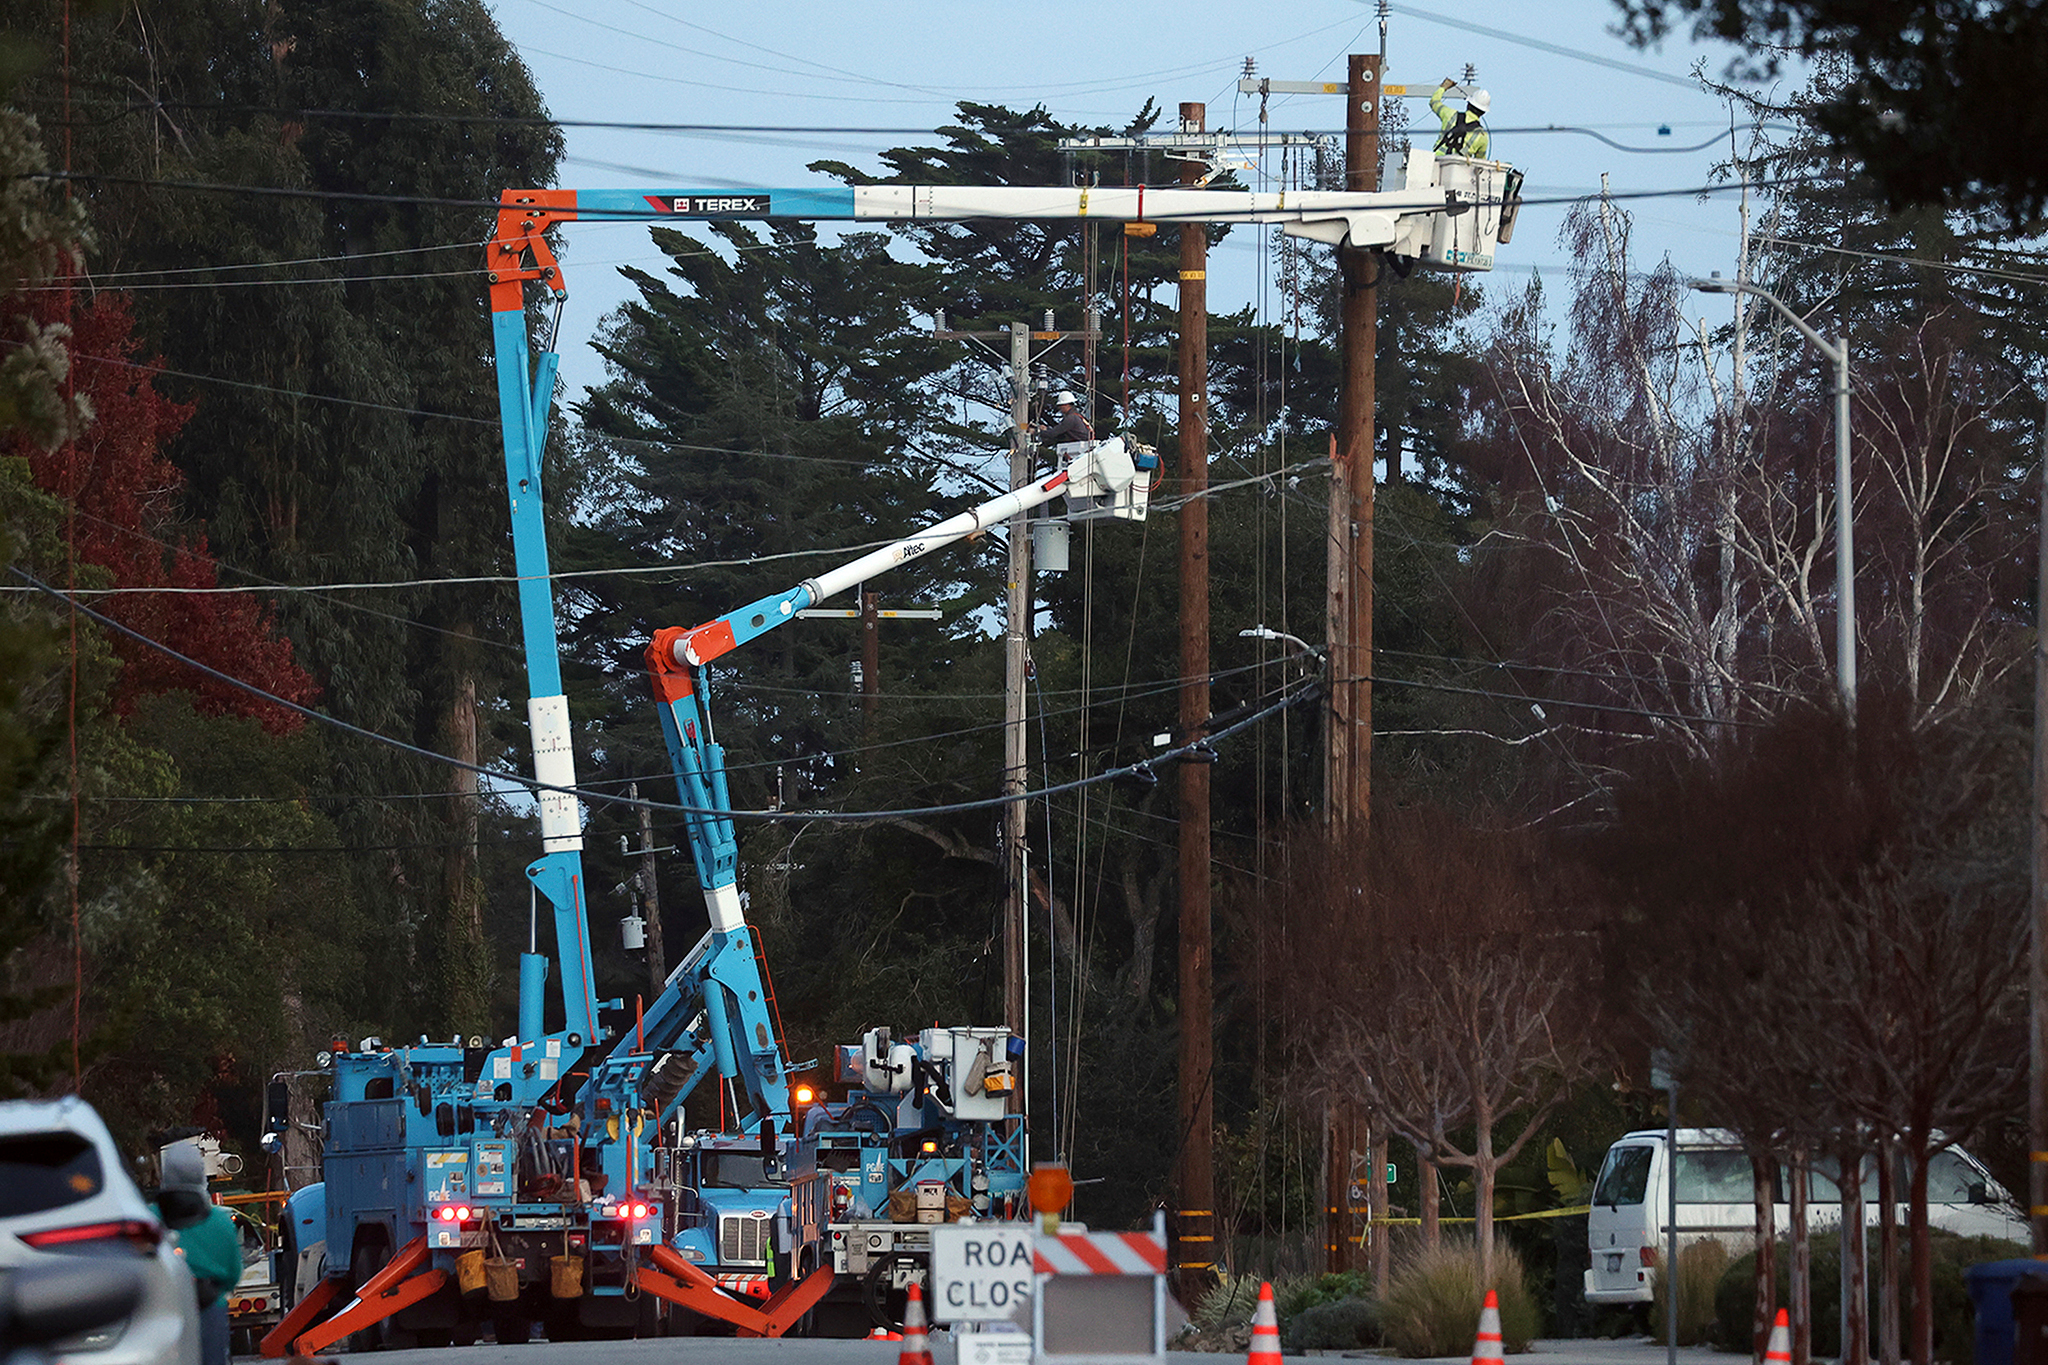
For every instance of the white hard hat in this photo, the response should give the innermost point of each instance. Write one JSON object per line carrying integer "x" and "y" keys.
{"x": 1064, "y": 398}
{"x": 1477, "y": 101}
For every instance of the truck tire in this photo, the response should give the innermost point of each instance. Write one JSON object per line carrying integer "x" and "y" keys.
{"x": 878, "y": 1292}
{"x": 367, "y": 1259}
{"x": 287, "y": 1267}
{"x": 513, "y": 1330}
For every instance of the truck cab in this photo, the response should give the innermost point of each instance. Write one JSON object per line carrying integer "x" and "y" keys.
{"x": 749, "y": 1211}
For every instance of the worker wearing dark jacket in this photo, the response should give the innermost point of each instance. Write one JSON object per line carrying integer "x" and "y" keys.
{"x": 1068, "y": 425}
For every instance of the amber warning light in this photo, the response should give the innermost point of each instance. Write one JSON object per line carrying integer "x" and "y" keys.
{"x": 1050, "y": 1189}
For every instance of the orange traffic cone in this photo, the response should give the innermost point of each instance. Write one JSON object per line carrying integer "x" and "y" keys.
{"x": 916, "y": 1349}
{"x": 1486, "y": 1348}
{"x": 1780, "y": 1349}
{"x": 1265, "y": 1329}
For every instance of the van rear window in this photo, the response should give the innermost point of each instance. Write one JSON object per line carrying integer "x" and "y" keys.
{"x": 1625, "y": 1177}
{"x": 47, "y": 1171}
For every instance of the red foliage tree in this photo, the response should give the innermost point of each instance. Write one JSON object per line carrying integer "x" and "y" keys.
{"x": 128, "y": 520}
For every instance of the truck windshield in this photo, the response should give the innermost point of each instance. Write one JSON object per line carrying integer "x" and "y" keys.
{"x": 1625, "y": 1177}
{"x": 737, "y": 1171}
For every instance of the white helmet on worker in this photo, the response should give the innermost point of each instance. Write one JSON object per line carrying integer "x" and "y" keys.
{"x": 1477, "y": 101}
{"x": 1063, "y": 399}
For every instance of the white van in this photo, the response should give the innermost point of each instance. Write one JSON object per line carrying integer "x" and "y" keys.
{"x": 1625, "y": 1231}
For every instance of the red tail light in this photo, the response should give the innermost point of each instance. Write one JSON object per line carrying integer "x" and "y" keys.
{"x": 640, "y": 1210}
{"x": 139, "y": 1233}
{"x": 1649, "y": 1255}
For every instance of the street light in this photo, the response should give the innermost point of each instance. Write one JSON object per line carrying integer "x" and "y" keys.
{"x": 1268, "y": 633}
{"x": 1845, "y": 526}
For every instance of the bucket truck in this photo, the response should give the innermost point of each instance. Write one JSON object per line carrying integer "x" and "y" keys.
{"x": 470, "y": 1182}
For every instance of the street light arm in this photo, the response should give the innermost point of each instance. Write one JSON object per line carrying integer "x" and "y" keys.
{"x": 1263, "y": 632}
{"x": 1836, "y": 352}
{"x": 1845, "y": 521}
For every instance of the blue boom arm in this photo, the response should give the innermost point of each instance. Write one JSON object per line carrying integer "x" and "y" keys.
{"x": 713, "y": 1012}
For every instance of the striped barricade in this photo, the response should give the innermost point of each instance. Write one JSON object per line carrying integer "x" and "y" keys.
{"x": 1101, "y": 1296}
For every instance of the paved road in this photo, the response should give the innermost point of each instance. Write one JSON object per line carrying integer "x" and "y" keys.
{"x": 1630, "y": 1351}
{"x": 728, "y": 1351}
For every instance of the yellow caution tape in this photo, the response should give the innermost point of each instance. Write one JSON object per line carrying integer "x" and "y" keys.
{"x": 1572, "y": 1212}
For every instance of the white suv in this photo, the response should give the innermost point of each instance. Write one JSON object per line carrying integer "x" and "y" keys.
{"x": 65, "y": 1196}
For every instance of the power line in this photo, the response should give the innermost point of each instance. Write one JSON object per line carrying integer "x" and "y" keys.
{"x": 832, "y": 130}
{"x": 1430, "y": 16}
{"x": 1139, "y": 770}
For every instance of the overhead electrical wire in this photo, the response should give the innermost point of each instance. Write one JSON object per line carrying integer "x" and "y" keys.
{"x": 1437, "y": 16}
{"x": 1139, "y": 770}
{"x": 833, "y": 130}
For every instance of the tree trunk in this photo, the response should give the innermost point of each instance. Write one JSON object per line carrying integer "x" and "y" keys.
{"x": 1923, "y": 1265}
{"x": 1425, "y": 1175}
{"x": 1382, "y": 1234}
{"x": 1483, "y": 1175}
{"x": 1761, "y": 1170}
{"x": 1887, "y": 1251}
{"x": 1855, "y": 1272}
{"x": 1801, "y": 1277}
{"x": 468, "y": 963}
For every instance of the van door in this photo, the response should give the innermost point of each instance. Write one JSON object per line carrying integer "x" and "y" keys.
{"x": 1623, "y": 1222}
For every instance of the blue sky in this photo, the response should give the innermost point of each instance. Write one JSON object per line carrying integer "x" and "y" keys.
{"x": 834, "y": 69}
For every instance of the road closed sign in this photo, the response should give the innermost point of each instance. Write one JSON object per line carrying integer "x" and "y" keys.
{"x": 981, "y": 1272}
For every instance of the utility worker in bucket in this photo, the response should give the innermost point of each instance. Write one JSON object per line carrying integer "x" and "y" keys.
{"x": 1067, "y": 424}
{"x": 1463, "y": 134}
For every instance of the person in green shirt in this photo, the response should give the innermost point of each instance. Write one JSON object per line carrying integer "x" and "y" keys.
{"x": 206, "y": 1239}
{"x": 1463, "y": 134}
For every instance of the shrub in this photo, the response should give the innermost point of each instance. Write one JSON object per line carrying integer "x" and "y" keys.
{"x": 1229, "y": 1304}
{"x": 1701, "y": 1266}
{"x": 1954, "y": 1328}
{"x": 1333, "y": 1311}
{"x": 1341, "y": 1325}
{"x": 1433, "y": 1300}
{"x": 1292, "y": 1297}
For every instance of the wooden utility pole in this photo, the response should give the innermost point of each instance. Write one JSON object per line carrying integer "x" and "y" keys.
{"x": 650, "y": 900}
{"x": 1016, "y": 633}
{"x": 2037, "y": 972}
{"x": 870, "y": 659}
{"x": 1348, "y": 776}
{"x": 870, "y": 613}
{"x": 1016, "y": 646}
{"x": 1195, "y": 1219}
